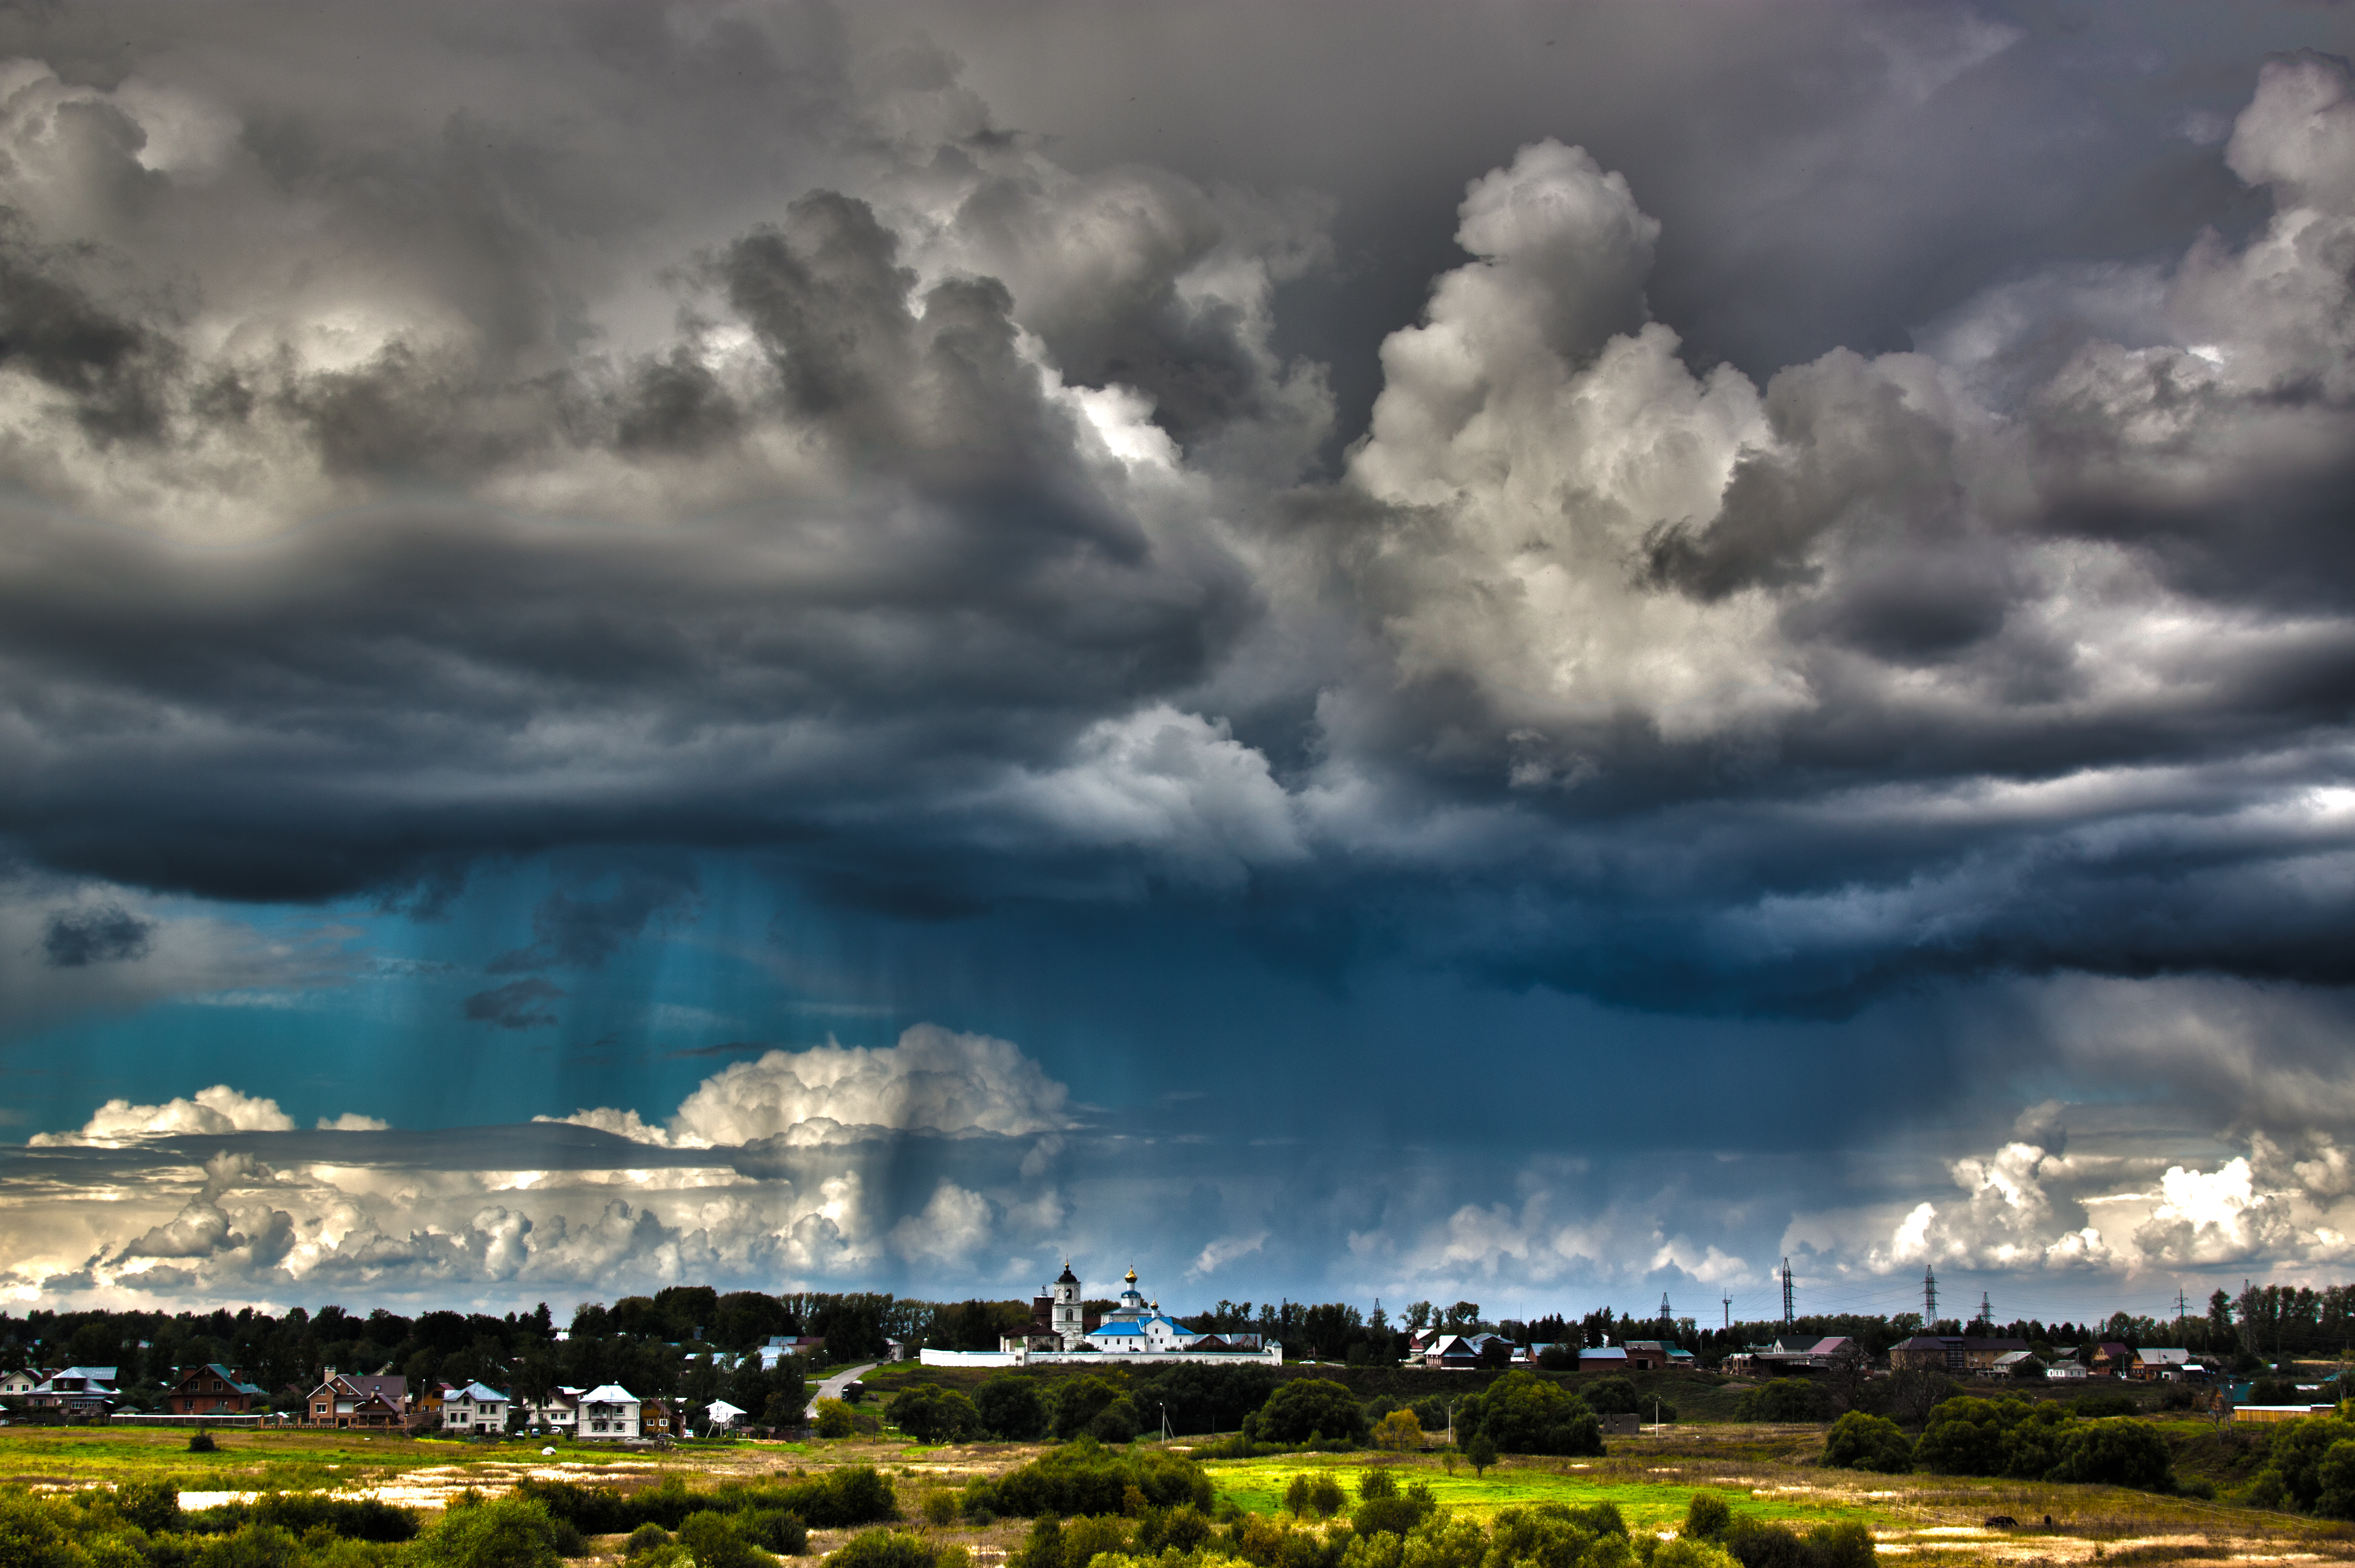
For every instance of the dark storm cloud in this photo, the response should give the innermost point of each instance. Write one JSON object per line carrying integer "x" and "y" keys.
{"x": 73, "y": 938}
{"x": 824, "y": 469}
{"x": 518, "y": 1005}
{"x": 582, "y": 932}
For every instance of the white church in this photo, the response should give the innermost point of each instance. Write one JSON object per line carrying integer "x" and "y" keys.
{"x": 1135, "y": 1330}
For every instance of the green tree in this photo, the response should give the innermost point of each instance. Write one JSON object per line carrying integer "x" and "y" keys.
{"x": 1524, "y": 1414}
{"x": 1481, "y": 1451}
{"x": 1706, "y": 1516}
{"x": 713, "y": 1540}
{"x": 2121, "y": 1453}
{"x": 1965, "y": 1436}
{"x": 1010, "y": 1407}
{"x": 501, "y": 1533}
{"x": 1304, "y": 1406}
{"x": 1862, "y": 1441}
{"x": 933, "y": 1415}
{"x": 835, "y": 1420}
{"x": 1074, "y": 1403}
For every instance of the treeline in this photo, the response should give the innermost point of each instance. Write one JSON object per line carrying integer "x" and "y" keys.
{"x": 663, "y": 1345}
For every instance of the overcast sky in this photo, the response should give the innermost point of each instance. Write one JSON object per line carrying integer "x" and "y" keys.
{"x": 1535, "y": 654}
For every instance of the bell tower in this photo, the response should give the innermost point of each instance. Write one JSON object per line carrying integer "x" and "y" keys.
{"x": 1069, "y": 1321}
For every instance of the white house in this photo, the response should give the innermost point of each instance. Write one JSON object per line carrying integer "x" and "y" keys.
{"x": 559, "y": 1411}
{"x": 721, "y": 1416}
{"x": 608, "y": 1410}
{"x": 474, "y": 1409}
{"x": 83, "y": 1391}
{"x": 22, "y": 1381}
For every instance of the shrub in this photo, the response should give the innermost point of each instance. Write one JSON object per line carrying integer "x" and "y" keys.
{"x": 835, "y": 1419}
{"x": 773, "y": 1530}
{"x": 267, "y": 1546}
{"x": 644, "y": 1539}
{"x": 1785, "y": 1399}
{"x": 931, "y": 1415}
{"x": 1862, "y": 1441}
{"x": 1399, "y": 1430}
{"x": 501, "y": 1533}
{"x": 941, "y": 1508}
{"x": 1010, "y": 1407}
{"x": 1685, "y": 1551}
{"x": 2093, "y": 1406}
{"x": 884, "y": 1549}
{"x": 1610, "y": 1396}
{"x": 153, "y": 1506}
{"x": 716, "y": 1543}
{"x": 1087, "y": 1478}
{"x": 1325, "y": 1497}
{"x": 1303, "y": 1407}
{"x": 1055, "y": 1543}
{"x": 201, "y": 1442}
{"x": 1965, "y": 1436}
{"x": 2118, "y": 1454}
{"x": 1383, "y": 1509}
{"x": 1706, "y": 1516}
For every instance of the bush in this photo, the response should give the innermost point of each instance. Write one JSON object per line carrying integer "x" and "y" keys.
{"x": 201, "y": 1442}
{"x": 500, "y": 1532}
{"x": 941, "y": 1508}
{"x": 1706, "y": 1516}
{"x": 644, "y": 1539}
{"x": 1965, "y": 1436}
{"x": 1303, "y": 1407}
{"x": 855, "y": 1495}
{"x": 1785, "y": 1399}
{"x": 835, "y": 1419}
{"x": 884, "y": 1549}
{"x": 1383, "y": 1509}
{"x": 931, "y": 1415}
{"x": 1010, "y": 1407}
{"x": 2118, "y": 1454}
{"x": 1757, "y": 1544}
{"x": 1862, "y": 1441}
{"x": 153, "y": 1506}
{"x": 1611, "y": 1396}
{"x": 2094, "y": 1406}
{"x": 1054, "y": 1544}
{"x": 1086, "y": 1479}
{"x": 716, "y": 1543}
{"x": 773, "y": 1530}
{"x": 1685, "y": 1551}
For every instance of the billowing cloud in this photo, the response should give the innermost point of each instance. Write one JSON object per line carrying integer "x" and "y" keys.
{"x": 934, "y": 1080}
{"x": 219, "y": 1109}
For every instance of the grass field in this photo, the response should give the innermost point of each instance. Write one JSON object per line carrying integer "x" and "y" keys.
{"x": 1767, "y": 1472}
{"x": 1257, "y": 1486}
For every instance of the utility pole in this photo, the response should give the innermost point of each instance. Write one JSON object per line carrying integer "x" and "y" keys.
{"x": 1787, "y": 1312}
{"x": 1929, "y": 1300}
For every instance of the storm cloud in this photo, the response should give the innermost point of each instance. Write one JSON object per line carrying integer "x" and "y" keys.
{"x": 584, "y": 459}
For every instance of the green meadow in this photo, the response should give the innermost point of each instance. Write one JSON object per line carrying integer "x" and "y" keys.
{"x": 1257, "y": 1486}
